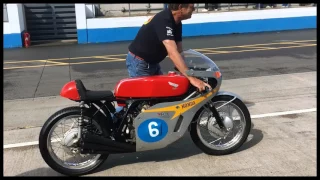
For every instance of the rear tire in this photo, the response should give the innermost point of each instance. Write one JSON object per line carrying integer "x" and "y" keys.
{"x": 43, "y": 143}
{"x": 210, "y": 151}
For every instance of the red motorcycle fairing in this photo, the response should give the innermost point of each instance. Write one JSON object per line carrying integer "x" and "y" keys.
{"x": 70, "y": 91}
{"x": 152, "y": 86}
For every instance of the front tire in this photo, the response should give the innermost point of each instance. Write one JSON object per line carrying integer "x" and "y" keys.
{"x": 47, "y": 151}
{"x": 233, "y": 144}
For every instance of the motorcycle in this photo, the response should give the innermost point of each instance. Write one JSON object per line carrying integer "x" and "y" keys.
{"x": 143, "y": 114}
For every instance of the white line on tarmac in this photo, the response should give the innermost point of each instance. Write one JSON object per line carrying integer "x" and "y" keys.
{"x": 283, "y": 113}
{"x": 32, "y": 143}
{"x": 8, "y": 146}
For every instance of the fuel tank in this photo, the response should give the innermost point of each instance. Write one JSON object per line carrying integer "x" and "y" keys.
{"x": 152, "y": 86}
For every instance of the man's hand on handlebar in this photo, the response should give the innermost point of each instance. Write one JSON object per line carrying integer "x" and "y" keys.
{"x": 179, "y": 62}
{"x": 200, "y": 85}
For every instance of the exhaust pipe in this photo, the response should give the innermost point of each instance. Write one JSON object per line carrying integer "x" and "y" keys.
{"x": 96, "y": 144}
{"x": 100, "y": 149}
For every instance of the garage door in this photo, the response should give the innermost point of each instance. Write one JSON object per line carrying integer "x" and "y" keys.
{"x": 51, "y": 21}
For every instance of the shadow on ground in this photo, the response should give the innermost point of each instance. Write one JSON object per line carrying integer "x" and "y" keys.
{"x": 182, "y": 148}
{"x": 41, "y": 172}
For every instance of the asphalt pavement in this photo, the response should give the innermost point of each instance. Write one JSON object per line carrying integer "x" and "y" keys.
{"x": 42, "y": 71}
{"x": 282, "y": 141}
{"x": 274, "y": 73}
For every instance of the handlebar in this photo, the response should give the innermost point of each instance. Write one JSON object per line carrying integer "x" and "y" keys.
{"x": 201, "y": 74}
{"x": 193, "y": 68}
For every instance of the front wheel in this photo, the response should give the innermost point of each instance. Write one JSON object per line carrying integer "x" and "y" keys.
{"x": 210, "y": 138}
{"x": 58, "y": 146}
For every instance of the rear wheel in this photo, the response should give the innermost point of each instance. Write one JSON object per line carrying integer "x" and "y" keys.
{"x": 210, "y": 138}
{"x": 58, "y": 146}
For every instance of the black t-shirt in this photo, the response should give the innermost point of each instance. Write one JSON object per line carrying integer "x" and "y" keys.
{"x": 148, "y": 42}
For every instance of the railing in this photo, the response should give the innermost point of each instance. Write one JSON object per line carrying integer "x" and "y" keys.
{"x": 227, "y": 6}
{"x": 130, "y": 9}
{"x": 5, "y": 13}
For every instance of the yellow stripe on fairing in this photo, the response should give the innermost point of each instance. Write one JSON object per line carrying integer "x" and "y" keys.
{"x": 179, "y": 108}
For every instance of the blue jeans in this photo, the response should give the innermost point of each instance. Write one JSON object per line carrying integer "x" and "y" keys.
{"x": 137, "y": 67}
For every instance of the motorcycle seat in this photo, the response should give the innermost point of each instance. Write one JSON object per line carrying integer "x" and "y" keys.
{"x": 88, "y": 95}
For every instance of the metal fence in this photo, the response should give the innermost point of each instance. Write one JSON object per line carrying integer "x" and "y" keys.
{"x": 131, "y": 9}
{"x": 5, "y": 13}
{"x": 127, "y": 9}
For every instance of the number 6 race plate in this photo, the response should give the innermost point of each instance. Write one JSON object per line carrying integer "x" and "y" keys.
{"x": 152, "y": 130}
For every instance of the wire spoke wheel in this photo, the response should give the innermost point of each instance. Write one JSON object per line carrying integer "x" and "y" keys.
{"x": 212, "y": 135}
{"x": 215, "y": 140}
{"x": 59, "y": 141}
{"x": 63, "y": 146}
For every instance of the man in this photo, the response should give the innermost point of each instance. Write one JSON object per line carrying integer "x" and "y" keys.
{"x": 160, "y": 36}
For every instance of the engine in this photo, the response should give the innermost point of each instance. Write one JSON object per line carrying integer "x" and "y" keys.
{"x": 129, "y": 129}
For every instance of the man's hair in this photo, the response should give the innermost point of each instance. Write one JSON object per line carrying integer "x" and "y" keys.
{"x": 175, "y": 7}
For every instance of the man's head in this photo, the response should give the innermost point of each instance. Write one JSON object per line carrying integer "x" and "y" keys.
{"x": 182, "y": 11}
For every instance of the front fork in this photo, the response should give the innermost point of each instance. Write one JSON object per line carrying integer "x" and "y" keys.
{"x": 216, "y": 114}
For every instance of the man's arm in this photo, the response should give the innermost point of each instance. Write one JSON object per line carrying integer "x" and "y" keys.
{"x": 180, "y": 49}
{"x": 174, "y": 55}
{"x": 178, "y": 61}
{"x": 164, "y": 32}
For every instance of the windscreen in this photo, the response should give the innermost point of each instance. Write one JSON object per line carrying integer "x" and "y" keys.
{"x": 196, "y": 60}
